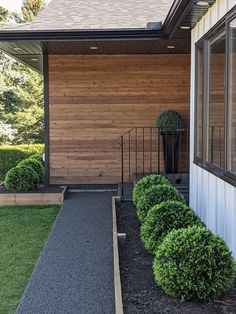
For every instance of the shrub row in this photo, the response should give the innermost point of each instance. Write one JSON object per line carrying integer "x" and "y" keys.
{"x": 26, "y": 175}
{"x": 190, "y": 262}
{"x": 10, "y": 156}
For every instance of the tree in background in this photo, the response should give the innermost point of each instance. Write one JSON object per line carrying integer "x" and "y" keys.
{"x": 21, "y": 97}
{"x": 4, "y": 15}
{"x": 32, "y": 8}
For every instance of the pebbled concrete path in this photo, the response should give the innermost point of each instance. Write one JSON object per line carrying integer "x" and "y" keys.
{"x": 74, "y": 273}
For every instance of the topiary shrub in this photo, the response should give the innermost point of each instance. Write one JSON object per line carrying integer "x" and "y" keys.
{"x": 154, "y": 196}
{"x": 163, "y": 218}
{"x": 21, "y": 179}
{"x": 10, "y": 156}
{"x": 194, "y": 264}
{"x": 145, "y": 183}
{"x": 169, "y": 121}
{"x": 35, "y": 165}
{"x": 38, "y": 157}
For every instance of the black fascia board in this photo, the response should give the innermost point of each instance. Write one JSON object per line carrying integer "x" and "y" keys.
{"x": 96, "y": 35}
{"x": 177, "y": 12}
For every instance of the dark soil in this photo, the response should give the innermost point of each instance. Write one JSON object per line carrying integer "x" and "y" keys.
{"x": 40, "y": 189}
{"x": 139, "y": 290}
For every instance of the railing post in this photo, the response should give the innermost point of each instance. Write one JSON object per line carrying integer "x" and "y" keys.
{"x": 129, "y": 159}
{"x": 165, "y": 154}
{"x": 212, "y": 143}
{"x": 220, "y": 144}
{"x": 136, "y": 152}
{"x": 159, "y": 153}
{"x": 122, "y": 166}
{"x": 173, "y": 154}
{"x": 180, "y": 153}
{"x": 150, "y": 150}
{"x": 188, "y": 155}
{"x": 143, "y": 150}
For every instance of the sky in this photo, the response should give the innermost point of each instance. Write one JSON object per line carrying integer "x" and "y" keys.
{"x": 13, "y": 5}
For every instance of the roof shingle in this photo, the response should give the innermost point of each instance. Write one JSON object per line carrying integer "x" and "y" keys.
{"x": 98, "y": 14}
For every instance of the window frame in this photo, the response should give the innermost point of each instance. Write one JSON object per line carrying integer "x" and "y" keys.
{"x": 204, "y": 42}
{"x": 198, "y": 46}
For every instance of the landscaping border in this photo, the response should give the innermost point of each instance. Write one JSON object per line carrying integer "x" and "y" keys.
{"x": 117, "y": 280}
{"x": 41, "y": 198}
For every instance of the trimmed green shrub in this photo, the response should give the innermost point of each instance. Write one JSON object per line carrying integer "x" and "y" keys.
{"x": 145, "y": 183}
{"x": 154, "y": 196}
{"x": 35, "y": 165}
{"x": 21, "y": 179}
{"x": 10, "y": 156}
{"x": 163, "y": 218}
{"x": 169, "y": 121}
{"x": 194, "y": 264}
{"x": 38, "y": 157}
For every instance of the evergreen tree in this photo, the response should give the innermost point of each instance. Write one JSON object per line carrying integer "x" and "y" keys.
{"x": 31, "y": 8}
{"x": 4, "y": 16}
{"x": 21, "y": 97}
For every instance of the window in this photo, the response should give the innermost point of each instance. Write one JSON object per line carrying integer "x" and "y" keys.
{"x": 199, "y": 103}
{"x": 232, "y": 98}
{"x": 215, "y": 100}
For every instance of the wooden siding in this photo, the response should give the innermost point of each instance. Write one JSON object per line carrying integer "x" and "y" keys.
{"x": 95, "y": 99}
{"x": 212, "y": 198}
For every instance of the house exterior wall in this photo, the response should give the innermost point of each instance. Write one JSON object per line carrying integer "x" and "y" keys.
{"x": 212, "y": 198}
{"x": 93, "y": 99}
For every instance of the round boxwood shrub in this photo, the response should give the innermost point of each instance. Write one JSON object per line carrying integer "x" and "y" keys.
{"x": 145, "y": 183}
{"x": 169, "y": 121}
{"x": 21, "y": 179}
{"x": 154, "y": 196}
{"x": 35, "y": 165}
{"x": 163, "y": 218}
{"x": 194, "y": 264}
{"x": 38, "y": 157}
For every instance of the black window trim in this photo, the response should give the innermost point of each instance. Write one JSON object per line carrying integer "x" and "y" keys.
{"x": 204, "y": 42}
{"x": 198, "y": 46}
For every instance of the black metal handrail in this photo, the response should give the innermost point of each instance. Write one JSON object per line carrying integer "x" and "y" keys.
{"x": 142, "y": 152}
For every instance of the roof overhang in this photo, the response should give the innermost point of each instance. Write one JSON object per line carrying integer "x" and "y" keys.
{"x": 184, "y": 13}
{"x": 29, "y": 46}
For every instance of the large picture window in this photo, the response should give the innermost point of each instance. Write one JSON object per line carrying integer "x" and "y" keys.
{"x": 215, "y": 101}
{"x": 199, "y": 103}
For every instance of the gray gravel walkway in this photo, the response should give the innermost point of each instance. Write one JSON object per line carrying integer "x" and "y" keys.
{"x": 75, "y": 271}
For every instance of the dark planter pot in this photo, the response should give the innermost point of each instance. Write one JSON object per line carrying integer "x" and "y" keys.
{"x": 171, "y": 149}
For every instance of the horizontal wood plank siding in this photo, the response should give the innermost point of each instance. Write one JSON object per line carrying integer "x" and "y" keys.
{"x": 95, "y": 99}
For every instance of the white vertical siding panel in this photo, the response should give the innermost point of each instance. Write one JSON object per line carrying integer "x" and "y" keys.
{"x": 212, "y": 203}
{"x": 207, "y": 22}
{"x": 222, "y": 8}
{"x": 213, "y": 199}
{"x": 231, "y": 4}
{"x": 214, "y": 15}
{"x": 230, "y": 232}
{"x": 227, "y": 5}
{"x": 201, "y": 27}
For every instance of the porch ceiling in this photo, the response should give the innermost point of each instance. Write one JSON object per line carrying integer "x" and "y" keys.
{"x": 31, "y": 52}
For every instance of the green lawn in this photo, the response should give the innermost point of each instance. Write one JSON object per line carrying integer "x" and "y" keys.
{"x": 23, "y": 233}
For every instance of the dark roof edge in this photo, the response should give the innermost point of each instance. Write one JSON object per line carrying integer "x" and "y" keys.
{"x": 176, "y": 13}
{"x": 118, "y": 34}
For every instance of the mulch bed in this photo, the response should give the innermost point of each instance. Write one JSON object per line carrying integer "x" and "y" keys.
{"x": 139, "y": 290}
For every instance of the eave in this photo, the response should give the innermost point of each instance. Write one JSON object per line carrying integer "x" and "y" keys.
{"x": 33, "y": 44}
